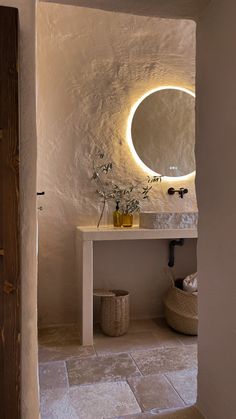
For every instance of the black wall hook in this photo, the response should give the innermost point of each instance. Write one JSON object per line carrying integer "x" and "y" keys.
{"x": 180, "y": 191}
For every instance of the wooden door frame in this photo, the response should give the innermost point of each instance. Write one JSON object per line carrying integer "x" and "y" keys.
{"x": 10, "y": 301}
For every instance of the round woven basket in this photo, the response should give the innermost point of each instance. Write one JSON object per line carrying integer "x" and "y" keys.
{"x": 181, "y": 310}
{"x": 115, "y": 313}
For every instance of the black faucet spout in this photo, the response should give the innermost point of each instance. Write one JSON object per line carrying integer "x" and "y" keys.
{"x": 181, "y": 191}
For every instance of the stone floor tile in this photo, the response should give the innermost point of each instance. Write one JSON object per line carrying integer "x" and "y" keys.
{"x": 185, "y": 413}
{"x": 132, "y": 342}
{"x": 185, "y": 339}
{"x": 180, "y": 413}
{"x": 53, "y": 375}
{"x": 155, "y": 348}
{"x": 185, "y": 383}
{"x": 59, "y": 343}
{"x": 60, "y": 334}
{"x": 56, "y": 404}
{"x": 62, "y": 352}
{"x": 160, "y": 328}
{"x": 103, "y": 400}
{"x": 188, "y": 340}
{"x": 143, "y": 325}
{"x": 146, "y": 415}
{"x": 154, "y": 392}
{"x": 102, "y": 368}
{"x": 163, "y": 360}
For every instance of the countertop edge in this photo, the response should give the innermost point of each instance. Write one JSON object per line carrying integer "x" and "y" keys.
{"x": 134, "y": 233}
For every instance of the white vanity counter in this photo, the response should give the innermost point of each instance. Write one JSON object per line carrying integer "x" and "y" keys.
{"x": 133, "y": 233}
{"x": 85, "y": 236}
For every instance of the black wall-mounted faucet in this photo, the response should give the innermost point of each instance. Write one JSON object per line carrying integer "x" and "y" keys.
{"x": 180, "y": 191}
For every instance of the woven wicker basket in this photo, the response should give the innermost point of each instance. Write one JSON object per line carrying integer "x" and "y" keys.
{"x": 181, "y": 310}
{"x": 115, "y": 313}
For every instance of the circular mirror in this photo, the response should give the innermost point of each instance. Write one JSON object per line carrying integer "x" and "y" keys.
{"x": 161, "y": 131}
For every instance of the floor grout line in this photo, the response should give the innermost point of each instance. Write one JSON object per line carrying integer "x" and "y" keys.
{"x": 172, "y": 385}
{"x": 67, "y": 376}
{"x": 94, "y": 348}
{"x": 136, "y": 364}
{"x": 134, "y": 395}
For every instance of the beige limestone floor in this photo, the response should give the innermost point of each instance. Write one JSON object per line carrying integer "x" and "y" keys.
{"x": 149, "y": 372}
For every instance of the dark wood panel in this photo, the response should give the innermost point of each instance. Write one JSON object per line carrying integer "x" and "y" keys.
{"x": 9, "y": 218}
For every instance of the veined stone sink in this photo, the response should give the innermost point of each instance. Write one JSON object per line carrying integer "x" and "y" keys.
{"x": 168, "y": 220}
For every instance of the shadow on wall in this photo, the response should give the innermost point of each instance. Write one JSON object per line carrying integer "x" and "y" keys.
{"x": 160, "y": 8}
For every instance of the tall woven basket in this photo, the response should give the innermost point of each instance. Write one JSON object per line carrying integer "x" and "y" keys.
{"x": 181, "y": 310}
{"x": 115, "y": 313}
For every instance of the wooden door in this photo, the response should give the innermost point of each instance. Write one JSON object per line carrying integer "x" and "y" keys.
{"x": 10, "y": 336}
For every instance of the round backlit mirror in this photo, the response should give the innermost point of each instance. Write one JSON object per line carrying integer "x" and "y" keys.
{"x": 161, "y": 131}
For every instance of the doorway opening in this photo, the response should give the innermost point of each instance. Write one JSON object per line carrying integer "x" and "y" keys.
{"x": 92, "y": 66}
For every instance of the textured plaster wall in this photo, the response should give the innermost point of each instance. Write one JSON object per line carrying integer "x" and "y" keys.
{"x": 28, "y": 148}
{"x": 92, "y": 66}
{"x": 215, "y": 153}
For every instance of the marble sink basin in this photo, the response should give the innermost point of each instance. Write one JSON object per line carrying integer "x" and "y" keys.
{"x": 168, "y": 220}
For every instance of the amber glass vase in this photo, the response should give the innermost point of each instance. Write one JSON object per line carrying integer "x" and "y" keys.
{"x": 127, "y": 220}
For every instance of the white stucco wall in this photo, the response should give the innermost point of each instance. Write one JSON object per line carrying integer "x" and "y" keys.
{"x": 28, "y": 147}
{"x": 92, "y": 66}
{"x": 216, "y": 149}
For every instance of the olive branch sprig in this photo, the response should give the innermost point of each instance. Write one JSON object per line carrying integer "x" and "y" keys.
{"x": 129, "y": 197}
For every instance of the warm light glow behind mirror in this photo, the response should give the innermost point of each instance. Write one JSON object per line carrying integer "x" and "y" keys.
{"x": 138, "y": 160}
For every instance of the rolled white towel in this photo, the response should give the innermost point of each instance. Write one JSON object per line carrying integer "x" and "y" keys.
{"x": 190, "y": 283}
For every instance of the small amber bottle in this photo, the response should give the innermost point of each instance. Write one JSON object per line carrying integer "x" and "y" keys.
{"x": 127, "y": 220}
{"x": 117, "y": 216}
